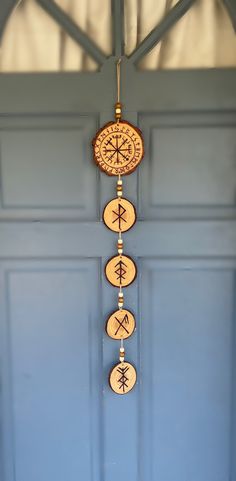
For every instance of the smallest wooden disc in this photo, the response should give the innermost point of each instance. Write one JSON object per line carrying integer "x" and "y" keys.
{"x": 121, "y": 324}
{"x": 122, "y": 378}
{"x": 119, "y": 215}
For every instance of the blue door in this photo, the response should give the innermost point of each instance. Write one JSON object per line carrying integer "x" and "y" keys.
{"x": 59, "y": 418}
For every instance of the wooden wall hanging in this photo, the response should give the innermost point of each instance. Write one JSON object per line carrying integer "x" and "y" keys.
{"x": 118, "y": 149}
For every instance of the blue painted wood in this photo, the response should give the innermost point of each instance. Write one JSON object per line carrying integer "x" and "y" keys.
{"x": 32, "y": 146}
{"x": 186, "y": 331}
{"x": 51, "y": 333}
{"x": 61, "y": 420}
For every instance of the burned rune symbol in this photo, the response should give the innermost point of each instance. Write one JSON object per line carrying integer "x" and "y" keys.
{"x": 114, "y": 151}
{"x": 123, "y": 378}
{"x": 119, "y": 213}
{"x": 121, "y": 323}
{"x": 120, "y": 271}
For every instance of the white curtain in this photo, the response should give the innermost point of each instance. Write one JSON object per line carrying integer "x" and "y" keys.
{"x": 32, "y": 40}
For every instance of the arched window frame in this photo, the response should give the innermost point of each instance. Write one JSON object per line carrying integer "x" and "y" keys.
{"x": 90, "y": 47}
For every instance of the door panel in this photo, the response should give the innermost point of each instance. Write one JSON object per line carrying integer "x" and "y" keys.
{"x": 190, "y": 167}
{"x": 187, "y": 326}
{"x": 53, "y": 173}
{"x": 53, "y": 344}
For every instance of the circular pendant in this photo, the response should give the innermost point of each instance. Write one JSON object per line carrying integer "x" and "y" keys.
{"x": 120, "y": 271}
{"x": 119, "y": 215}
{"x": 121, "y": 324}
{"x": 122, "y": 377}
{"x": 118, "y": 148}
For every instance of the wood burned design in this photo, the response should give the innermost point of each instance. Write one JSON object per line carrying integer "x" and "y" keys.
{"x": 122, "y": 378}
{"x": 120, "y": 271}
{"x": 118, "y": 148}
{"x": 119, "y": 215}
{"x": 121, "y": 324}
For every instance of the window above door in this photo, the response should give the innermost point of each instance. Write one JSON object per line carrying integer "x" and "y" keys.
{"x": 72, "y": 35}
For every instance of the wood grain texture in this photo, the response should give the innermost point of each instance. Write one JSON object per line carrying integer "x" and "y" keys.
{"x": 118, "y": 148}
{"x": 120, "y": 324}
{"x": 119, "y": 215}
{"x": 121, "y": 271}
{"x": 122, "y": 378}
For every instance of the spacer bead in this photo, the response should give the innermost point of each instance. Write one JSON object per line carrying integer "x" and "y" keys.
{"x": 120, "y": 299}
{"x": 118, "y": 110}
{"x": 119, "y": 189}
{"x": 120, "y": 246}
{"x": 122, "y": 354}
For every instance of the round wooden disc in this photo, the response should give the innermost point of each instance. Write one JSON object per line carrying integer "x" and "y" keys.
{"x": 120, "y": 324}
{"x": 120, "y": 271}
{"x": 122, "y": 378}
{"x": 118, "y": 148}
{"x": 119, "y": 215}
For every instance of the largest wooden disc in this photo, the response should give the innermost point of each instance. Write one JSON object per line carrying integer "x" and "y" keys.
{"x": 122, "y": 378}
{"x": 119, "y": 215}
{"x": 120, "y": 271}
{"x": 118, "y": 148}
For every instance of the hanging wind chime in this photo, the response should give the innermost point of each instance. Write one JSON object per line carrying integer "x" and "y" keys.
{"x": 118, "y": 150}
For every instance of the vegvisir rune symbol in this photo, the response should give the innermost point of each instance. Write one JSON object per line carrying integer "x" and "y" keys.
{"x": 123, "y": 378}
{"x": 119, "y": 147}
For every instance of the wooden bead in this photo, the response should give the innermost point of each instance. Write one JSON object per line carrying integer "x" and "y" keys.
{"x": 120, "y": 246}
{"x": 122, "y": 354}
{"x": 119, "y": 191}
{"x": 120, "y": 300}
{"x": 119, "y": 188}
{"x": 118, "y": 110}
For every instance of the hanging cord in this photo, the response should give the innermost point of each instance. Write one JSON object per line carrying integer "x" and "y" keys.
{"x": 118, "y": 79}
{"x": 118, "y": 104}
{"x": 119, "y": 193}
{"x": 122, "y": 351}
